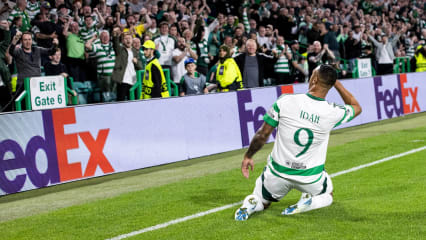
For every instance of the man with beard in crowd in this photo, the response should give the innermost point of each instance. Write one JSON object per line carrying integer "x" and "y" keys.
{"x": 126, "y": 64}
{"x": 180, "y": 54}
{"x": 138, "y": 30}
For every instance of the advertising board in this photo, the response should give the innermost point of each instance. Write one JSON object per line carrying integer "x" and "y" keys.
{"x": 48, "y": 147}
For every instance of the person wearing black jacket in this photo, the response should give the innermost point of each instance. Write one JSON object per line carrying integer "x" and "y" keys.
{"x": 286, "y": 23}
{"x": 313, "y": 34}
{"x": 5, "y": 86}
{"x": 27, "y": 58}
{"x": 253, "y": 65}
{"x": 352, "y": 50}
{"x": 56, "y": 67}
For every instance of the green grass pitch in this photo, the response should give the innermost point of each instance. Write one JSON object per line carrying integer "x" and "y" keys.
{"x": 384, "y": 201}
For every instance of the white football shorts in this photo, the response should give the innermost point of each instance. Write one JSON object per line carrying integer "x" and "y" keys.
{"x": 272, "y": 188}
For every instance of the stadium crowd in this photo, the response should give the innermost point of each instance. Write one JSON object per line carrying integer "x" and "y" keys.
{"x": 207, "y": 45}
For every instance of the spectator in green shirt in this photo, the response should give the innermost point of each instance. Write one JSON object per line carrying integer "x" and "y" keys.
{"x": 20, "y": 10}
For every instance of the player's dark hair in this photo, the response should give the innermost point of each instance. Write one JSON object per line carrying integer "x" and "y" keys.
{"x": 327, "y": 75}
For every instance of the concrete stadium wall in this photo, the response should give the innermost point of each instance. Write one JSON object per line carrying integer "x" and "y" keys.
{"x": 43, "y": 148}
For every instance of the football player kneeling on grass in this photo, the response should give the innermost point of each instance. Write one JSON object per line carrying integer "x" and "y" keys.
{"x": 303, "y": 123}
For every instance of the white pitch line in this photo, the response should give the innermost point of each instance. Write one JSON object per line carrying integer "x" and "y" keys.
{"x": 378, "y": 161}
{"x": 200, "y": 214}
{"x": 166, "y": 224}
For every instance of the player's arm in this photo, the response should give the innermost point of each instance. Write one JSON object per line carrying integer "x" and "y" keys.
{"x": 256, "y": 144}
{"x": 348, "y": 98}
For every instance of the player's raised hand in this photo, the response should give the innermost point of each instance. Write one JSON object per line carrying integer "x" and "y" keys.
{"x": 247, "y": 164}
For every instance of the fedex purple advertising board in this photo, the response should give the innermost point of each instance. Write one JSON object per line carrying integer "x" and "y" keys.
{"x": 42, "y": 148}
{"x": 48, "y": 147}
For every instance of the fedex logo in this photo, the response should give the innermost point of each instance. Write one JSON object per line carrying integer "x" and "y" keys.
{"x": 55, "y": 145}
{"x": 255, "y": 115}
{"x": 398, "y": 101}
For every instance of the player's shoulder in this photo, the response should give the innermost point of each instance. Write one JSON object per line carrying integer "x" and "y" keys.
{"x": 289, "y": 99}
{"x": 290, "y": 96}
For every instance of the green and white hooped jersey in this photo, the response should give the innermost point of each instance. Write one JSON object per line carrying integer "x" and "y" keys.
{"x": 105, "y": 56}
{"x": 203, "y": 59}
{"x": 26, "y": 25}
{"x": 33, "y": 9}
{"x": 87, "y": 33}
{"x": 304, "y": 123}
{"x": 282, "y": 65}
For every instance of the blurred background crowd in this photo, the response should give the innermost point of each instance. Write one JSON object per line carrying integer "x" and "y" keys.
{"x": 270, "y": 42}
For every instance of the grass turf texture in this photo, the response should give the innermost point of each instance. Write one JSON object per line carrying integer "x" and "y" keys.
{"x": 385, "y": 201}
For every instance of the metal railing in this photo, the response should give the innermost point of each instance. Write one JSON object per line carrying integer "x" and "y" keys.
{"x": 136, "y": 90}
{"x": 402, "y": 65}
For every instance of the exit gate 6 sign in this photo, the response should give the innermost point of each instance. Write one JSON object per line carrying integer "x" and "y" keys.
{"x": 364, "y": 68}
{"x": 47, "y": 92}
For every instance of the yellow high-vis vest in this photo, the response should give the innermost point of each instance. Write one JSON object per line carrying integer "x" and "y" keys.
{"x": 420, "y": 63}
{"x": 227, "y": 73}
{"x": 148, "y": 84}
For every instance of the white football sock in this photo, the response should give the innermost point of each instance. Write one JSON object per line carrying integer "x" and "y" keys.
{"x": 253, "y": 204}
{"x": 319, "y": 201}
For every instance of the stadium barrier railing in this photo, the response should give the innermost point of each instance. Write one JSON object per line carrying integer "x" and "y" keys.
{"x": 344, "y": 63}
{"x": 402, "y": 65}
{"x": 136, "y": 90}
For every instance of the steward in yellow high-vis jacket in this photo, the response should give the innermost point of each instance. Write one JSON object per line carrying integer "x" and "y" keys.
{"x": 228, "y": 75}
{"x": 154, "y": 83}
{"x": 420, "y": 57}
